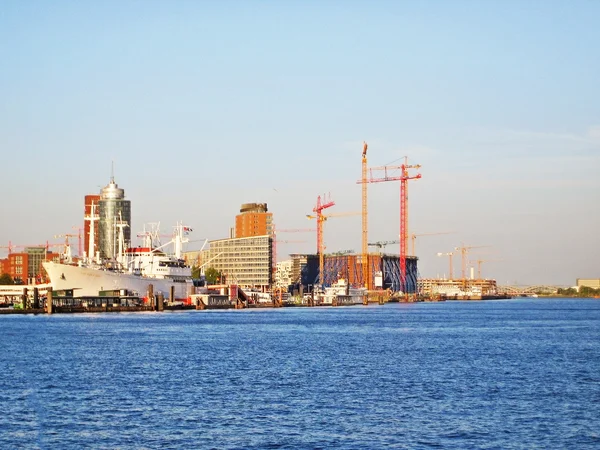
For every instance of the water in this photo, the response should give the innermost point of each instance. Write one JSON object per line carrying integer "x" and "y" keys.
{"x": 497, "y": 374}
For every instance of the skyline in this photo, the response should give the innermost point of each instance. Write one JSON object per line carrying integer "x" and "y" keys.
{"x": 204, "y": 106}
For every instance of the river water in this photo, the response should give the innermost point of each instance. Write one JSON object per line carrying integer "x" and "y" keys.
{"x": 495, "y": 374}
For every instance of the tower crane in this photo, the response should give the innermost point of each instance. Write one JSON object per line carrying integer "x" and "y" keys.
{"x": 463, "y": 253}
{"x": 67, "y": 254}
{"x": 9, "y": 247}
{"x": 449, "y": 254}
{"x": 481, "y": 261}
{"x": 321, "y": 218}
{"x": 382, "y": 244}
{"x": 318, "y": 209}
{"x": 413, "y": 238}
{"x": 365, "y": 222}
{"x": 403, "y": 178}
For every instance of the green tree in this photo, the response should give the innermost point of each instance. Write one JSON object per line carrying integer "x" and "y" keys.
{"x": 213, "y": 276}
{"x": 196, "y": 272}
{"x": 6, "y": 279}
{"x": 585, "y": 291}
{"x": 569, "y": 292}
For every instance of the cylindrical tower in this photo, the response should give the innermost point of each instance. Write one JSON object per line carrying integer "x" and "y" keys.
{"x": 113, "y": 210}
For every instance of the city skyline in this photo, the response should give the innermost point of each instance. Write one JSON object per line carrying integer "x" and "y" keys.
{"x": 205, "y": 106}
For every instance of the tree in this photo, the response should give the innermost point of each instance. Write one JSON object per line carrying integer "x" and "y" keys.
{"x": 196, "y": 272}
{"x": 213, "y": 276}
{"x": 6, "y": 279}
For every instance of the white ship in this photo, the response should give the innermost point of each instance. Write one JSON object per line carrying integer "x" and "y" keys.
{"x": 341, "y": 292}
{"x": 133, "y": 270}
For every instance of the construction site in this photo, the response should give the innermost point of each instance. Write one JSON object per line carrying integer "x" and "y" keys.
{"x": 242, "y": 261}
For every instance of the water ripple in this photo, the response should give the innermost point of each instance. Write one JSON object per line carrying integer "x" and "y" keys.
{"x": 497, "y": 375}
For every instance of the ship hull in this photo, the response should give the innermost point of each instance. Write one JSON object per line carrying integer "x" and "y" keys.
{"x": 88, "y": 282}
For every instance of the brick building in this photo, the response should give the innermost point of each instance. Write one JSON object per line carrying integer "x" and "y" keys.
{"x": 26, "y": 267}
{"x": 253, "y": 220}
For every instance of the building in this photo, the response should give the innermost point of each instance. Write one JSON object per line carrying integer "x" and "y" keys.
{"x": 91, "y": 216}
{"x": 26, "y": 267}
{"x": 593, "y": 283}
{"x": 458, "y": 287}
{"x": 246, "y": 261}
{"x": 253, "y": 220}
{"x": 114, "y": 217}
{"x": 383, "y": 271}
{"x": 284, "y": 272}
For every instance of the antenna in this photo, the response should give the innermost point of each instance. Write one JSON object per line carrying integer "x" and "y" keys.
{"x": 112, "y": 171}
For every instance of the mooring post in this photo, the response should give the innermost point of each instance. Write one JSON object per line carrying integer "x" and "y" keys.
{"x": 150, "y": 295}
{"x": 172, "y": 294}
{"x": 161, "y": 301}
{"x": 36, "y": 298}
{"x": 25, "y": 298}
{"x": 49, "y": 300}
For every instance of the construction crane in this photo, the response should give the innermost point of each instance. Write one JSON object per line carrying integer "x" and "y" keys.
{"x": 463, "y": 253}
{"x": 79, "y": 240}
{"x": 449, "y": 254}
{"x": 318, "y": 209}
{"x": 9, "y": 247}
{"x": 365, "y": 222}
{"x": 481, "y": 261}
{"x": 382, "y": 244}
{"x": 413, "y": 238}
{"x": 342, "y": 252}
{"x": 403, "y": 178}
{"x": 320, "y": 219}
{"x": 67, "y": 252}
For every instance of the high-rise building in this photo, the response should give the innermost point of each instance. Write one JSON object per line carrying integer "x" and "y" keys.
{"x": 114, "y": 217}
{"x": 253, "y": 220}
{"x": 90, "y": 221}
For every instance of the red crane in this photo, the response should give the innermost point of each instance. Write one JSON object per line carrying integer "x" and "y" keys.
{"x": 403, "y": 178}
{"x": 318, "y": 209}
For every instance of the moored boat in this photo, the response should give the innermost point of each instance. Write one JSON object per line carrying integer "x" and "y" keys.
{"x": 133, "y": 270}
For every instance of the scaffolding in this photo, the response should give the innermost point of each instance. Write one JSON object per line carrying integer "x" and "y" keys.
{"x": 350, "y": 268}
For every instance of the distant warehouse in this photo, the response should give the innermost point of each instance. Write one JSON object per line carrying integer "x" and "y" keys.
{"x": 593, "y": 283}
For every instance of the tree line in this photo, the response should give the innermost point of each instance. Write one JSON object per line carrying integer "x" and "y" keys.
{"x": 583, "y": 291}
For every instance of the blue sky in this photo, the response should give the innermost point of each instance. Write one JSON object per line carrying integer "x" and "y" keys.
{"x": 206, "y": 105}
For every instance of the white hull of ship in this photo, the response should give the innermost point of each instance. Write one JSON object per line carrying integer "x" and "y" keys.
{"x": 88, "y": 282}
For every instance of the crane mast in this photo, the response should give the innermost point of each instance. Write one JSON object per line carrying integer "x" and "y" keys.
{"x": 365, "y": 223}
{"x": 318, "y": 210}
{"x": 404, "y": 212}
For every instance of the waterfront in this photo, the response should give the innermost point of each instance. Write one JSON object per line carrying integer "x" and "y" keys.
{"x": 500, "y": 374}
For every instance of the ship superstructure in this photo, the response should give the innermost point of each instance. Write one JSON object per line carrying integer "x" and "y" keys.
{"x": 133, "y": 269}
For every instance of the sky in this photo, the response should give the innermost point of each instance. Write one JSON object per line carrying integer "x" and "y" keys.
{"x": 204, "y": 105}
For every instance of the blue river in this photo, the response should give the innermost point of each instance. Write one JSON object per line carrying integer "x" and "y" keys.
{"x": 521, "y": 373}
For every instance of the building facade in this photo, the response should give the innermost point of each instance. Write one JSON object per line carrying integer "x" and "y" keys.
{"x": 593, "y": 283}
{"x": 91, "y": 216}
{"x": 26, "y": 267}
{"x": 114, "y": 218}
{"x": 283, "y": 274}
{"x": 246, "y": 261}
{"x": 253, "y": 220}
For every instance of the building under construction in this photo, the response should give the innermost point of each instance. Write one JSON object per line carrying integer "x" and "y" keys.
{"x": 383, "y": 271}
